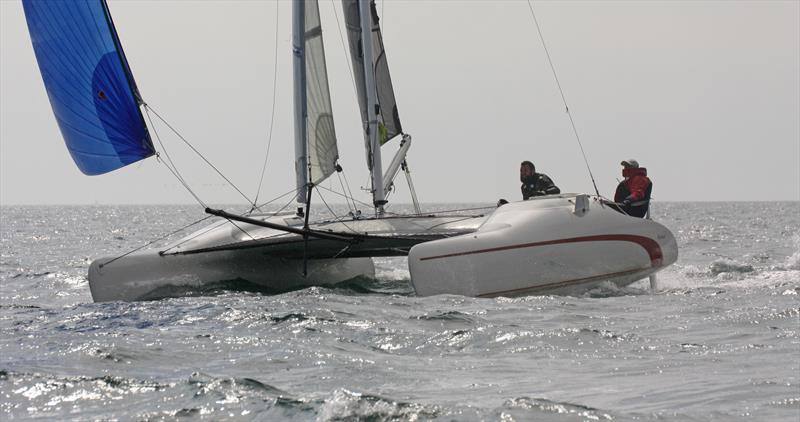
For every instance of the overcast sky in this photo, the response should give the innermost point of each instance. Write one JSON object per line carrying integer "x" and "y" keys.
{"x": 706, "y": 95}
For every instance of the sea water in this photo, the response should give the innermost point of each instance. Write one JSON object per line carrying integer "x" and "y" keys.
{"x": 719, "y": 339}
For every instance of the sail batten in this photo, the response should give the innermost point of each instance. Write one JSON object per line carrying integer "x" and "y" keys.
{"x": 89, "y": 84}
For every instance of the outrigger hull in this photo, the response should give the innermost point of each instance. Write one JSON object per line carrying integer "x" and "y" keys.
{"x": 251, "y": 256}
{"x": 554, "y": 244}
{"x": 152, "y": 276}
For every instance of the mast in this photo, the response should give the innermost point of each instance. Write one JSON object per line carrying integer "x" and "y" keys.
{"x": 371, "y": 125}
{"x": 300, "y": 105}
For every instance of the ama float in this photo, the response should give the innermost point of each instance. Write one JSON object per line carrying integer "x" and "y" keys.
{"x": 547, "y": 244}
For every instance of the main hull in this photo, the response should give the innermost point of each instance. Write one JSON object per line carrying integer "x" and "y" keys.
{"x": 554, "y": 244}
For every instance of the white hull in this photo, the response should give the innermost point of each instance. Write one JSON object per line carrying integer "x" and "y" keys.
{"x": 151, "y": 276}
{"x": 543, "y": 245}
{"x": 266, "y": 258}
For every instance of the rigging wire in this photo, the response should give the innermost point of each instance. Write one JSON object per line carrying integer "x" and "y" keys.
{"x": 147, "y": 107}
{"x": 294, "y": 192}
{"x": 335, "y": 217}
{"x": 171, "y": 166}
{"x": 274, "y": 96}
{"x": 346, "y": 200}
{"x": 563, "y": 98}
{"x": 174, "y": 169}
{"x": 346, "y": 188}
{"x": 202, "y": 232}
{"x": 351, "y": 198}
{"x": 156, "y": 240}
{"x": 349, "y": 191}
{"x": 344, "y": 48}
{"x": 488, "y": 207}
{"x": 212, "y": 227}
{"x": 258, "y": 207}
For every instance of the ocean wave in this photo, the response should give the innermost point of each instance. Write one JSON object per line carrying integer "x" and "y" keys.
{"x": 793, "y": 261}
{"x": 46, "y": 395}
{"x": 347, "y": 405}
{"x": 725, "y": 266}
{"x": 446, "y": 316}
{"x": 609, "y": 289}
{"x": 204, "y": 384}
{"x": 540, "y": 405}
{"x": 724, "y": 274}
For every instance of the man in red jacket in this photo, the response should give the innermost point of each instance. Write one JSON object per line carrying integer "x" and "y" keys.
{"x": 633, "y": 193}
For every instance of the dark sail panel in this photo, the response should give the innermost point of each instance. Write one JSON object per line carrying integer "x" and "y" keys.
{"x": 90, "y": 87}
{"x": 389, "y": 125}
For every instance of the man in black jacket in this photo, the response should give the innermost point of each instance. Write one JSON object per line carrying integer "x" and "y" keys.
{"x": 535, "y": 184}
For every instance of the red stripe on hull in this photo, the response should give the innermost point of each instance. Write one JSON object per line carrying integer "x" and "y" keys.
{"x": 649, "y": 245}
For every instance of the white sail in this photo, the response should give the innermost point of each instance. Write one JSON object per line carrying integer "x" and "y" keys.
{"x": 388, "y": 116}
{"x": 315, "y": 138}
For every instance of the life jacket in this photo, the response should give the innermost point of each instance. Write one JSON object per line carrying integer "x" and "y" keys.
{"x": 635, "y": 177}
{"x": 538, "y": 184}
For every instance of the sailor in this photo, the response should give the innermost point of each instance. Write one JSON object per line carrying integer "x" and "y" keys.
{"x": 633, "y": 192}
{"x": 535, "y": 184}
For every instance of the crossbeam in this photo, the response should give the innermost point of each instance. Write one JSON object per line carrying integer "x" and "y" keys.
{"x": 281, "y": 227}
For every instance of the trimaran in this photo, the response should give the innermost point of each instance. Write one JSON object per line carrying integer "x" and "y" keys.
{"x": 545, "y": 244}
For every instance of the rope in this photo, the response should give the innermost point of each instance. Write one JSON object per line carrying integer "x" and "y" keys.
{"x": 563, "y": 98}
{"x": 170, "y": 165}
{"x": 156, "y": 240}
{"x": 198, "y": 153}
{"x": 294, "y": 192}
{"x": 173, "y": 169}
{"x": 347, "y": 200}
{"x": 341, "y": 194}
{"x": 345, "y": 49}
{"x": 198, "y": 234}
{"x": 258, "y": 207}
{"x": 488, "y": 207}
{"x": 339, "y": 219}
{"x": 194, "y": 223}
{"x": 349, "y": 191}
{"x": 274, "y": 95}
{"x": 241, "y": 229}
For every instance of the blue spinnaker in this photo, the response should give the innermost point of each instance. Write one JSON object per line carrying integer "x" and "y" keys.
{"x": 90, "y": 86}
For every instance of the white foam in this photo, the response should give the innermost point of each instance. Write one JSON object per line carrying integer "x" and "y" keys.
{"x": 725, "y": 266}
{"x": 394, "y": 269}
{"x": 793, "y": 261}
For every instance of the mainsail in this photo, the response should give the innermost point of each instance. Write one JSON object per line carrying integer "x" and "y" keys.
{"x": 89, "y": 83}
{"x": 389, "y": 119}
{"x": 312, "y": 101}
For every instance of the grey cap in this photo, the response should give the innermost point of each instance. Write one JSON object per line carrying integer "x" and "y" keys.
{"x": 630, "y": 163}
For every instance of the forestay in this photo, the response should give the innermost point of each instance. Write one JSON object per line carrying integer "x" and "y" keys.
{"x": 90, "y": 86}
